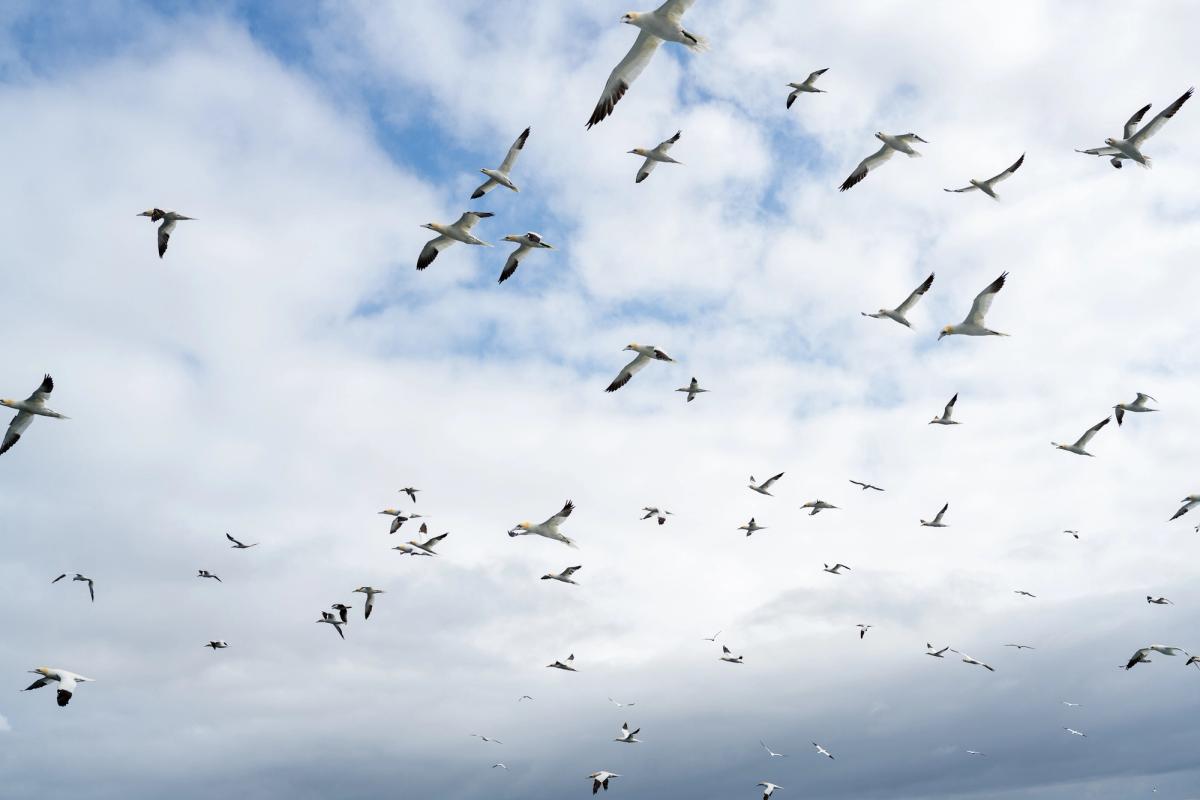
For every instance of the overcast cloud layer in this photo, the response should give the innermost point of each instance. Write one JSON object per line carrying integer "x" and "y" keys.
{"x": 284, "y": 370}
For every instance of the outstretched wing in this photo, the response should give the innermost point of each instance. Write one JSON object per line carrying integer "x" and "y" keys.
{"x": 19, "y": 423}
{"x": 469, "y": 219}
{"x": 916, "y": 295}
{"x": 1087, "y": 437}
{"x": 866, "y": 165}
{"x": 511, "y": 157}
{"x": 431, "y": 249}
{"x": 1131, "y": 125}
{"x": 625, "y": 73}
{"x": 812, "y": 76}
{"x": 1160, "y": 119}
{"x": 950, "y": 406}
{"x": 484, "y": 188}
{"x": 1004, "y": 175}
{"x": 666, "y": 144}
{"x": 983, "y": 301}
{"x": 42, "y": 392}
{"x": 514, "y": 261}
{"x": 645, "y": 170}
{"x": 674, "y": 9}
{"x": 557, "y": 519}
{"x": 628, "y": 371}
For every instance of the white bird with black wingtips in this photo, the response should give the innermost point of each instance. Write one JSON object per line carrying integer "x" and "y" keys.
{"x": 1189, "y": 502}
{"x": 525, "y": 242}
{"x": 90, "y": 583}
{"x": 988, "y": 186}
{"x": 458, "y": 231}
{"x": 762, "y": 488}
{"x": 1129, "y": 146}
{"x": 768, "y": 788}
{"x": 835, "y": 569}
{"x": 1078, "y": 447}
{"x": 370, "y": 592}
{"x": 645, "y": 354}
{"x": 806, "y": 86}
{"x": 564, "y": 576}
{"x": 973, "y": 324}
{"x": 936, "y": 522}
{"x": 27, "y": 409}
{"x": 549, "y": 528}
{"x": 500, "y": 176}
{"x": 900, "y": 312}
{"x": 626, "y": 736}
{"x": 947, "y": 417}
{"x": 67, "y": 682}
{"x": 169, "y": 218}
{"x": 891, "y": 146}
{"x": 654, "y": 156}
{"x": 727, "y": 655}
{"x": 1137, "y": 406}
{"x": 692, "y": 390}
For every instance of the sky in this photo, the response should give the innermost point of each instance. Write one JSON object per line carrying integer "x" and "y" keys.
{"x": 285, "y": 370}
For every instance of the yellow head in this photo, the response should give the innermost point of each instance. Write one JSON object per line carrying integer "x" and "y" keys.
{"x": 631, "y": 346}
{"x": 631, "y": 18}
{"x": 946, "y": 331}
{"x": 526, "y": 525}
{"x": 9, "y": 403}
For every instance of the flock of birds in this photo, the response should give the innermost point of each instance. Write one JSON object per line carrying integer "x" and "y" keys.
{"x": 664, "y": 24}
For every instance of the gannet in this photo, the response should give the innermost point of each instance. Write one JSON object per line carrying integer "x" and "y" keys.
{"x": 658, "y": 154}
{"x": 206, "y": 574}
{"x": 169, "y": 218}
{"x": 1193, "y": 660}
{"x": 1072, "y": 705}
{"x": 660, "y": 514}
{"x": 217, "y": 645}
{"x": 822, "y": 751}
{"x": 1021, "y": 646}
{"x": 862, "y": 629}
{"x": 817, "y": 506}
{"x": 428, "y": 545}
{"x": 973, "y": 324}
{"x": 1082, "y": 441}
{"x": 549, "y": 528}
{"x": 626, "y": 736}
{"x": 1159, "y": 601}
{"x": 969, "y": 660}
{"x": 409, "y": 550}
{"x": 499, "y": 765}
{"x": 370, "y": 592}
{"x": 398, "y": 519}
{"x": 239, "y": 545}
{"x": 524, "y": 697}
{"x": 645, "y": 353}
{"x": 486, "y": 739}
{"x": 899, "y": 313}
{"x": 1139, "y": 404}
{"x": 866, "y": 486}
{"x": 834, "y": 570}
{"x": 761, "y": 488}
{"x": 771, "y": 753}
{"x": 1024, "y": 593}
{"x": 891, "y": 145}
{"x": 621, "y": 705}
{"x": 601, "y": 779}
{"x": 568, "y": 665}
{"x": 90, "y": 583}
{"x": 343, "y": 612}
{"x": 712, "y": 638}
{"x": 768, "y": 788}
{"x": 67, "y": 681}
{"x": 499, "y": 177}
{"x": 1073, "y": 533}
{"x": 692, "y": 390}
{"x": 947, "y": 413}
{"x": 936, "y": 522}
{"x": 752, "y": 527}
{"x": 333, "y": 620}
{"x": 1074, "y": 732}
{"x": 1129, "y": 146}
{"x": 936, "y": 653}
{"x": 1189, "y": 502}
{"x": 662, "y": 24}
{"x": 408, "y": 490}
{"x": 806, "y": 86}
{"x": 727, "y": 655}
{"x": 975, "y": 753}
{"x": 34, "y": 405}
{"x": 988, "y": 187}
{"x": 459, "y": 231}
{"x": 564, "y": 576}
{"x": 525, "y": 242}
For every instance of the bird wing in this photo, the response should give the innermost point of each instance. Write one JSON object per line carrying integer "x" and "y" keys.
{"x": 950, "y": 407}
{"x": 569, "y": 571}
{"x": 983, "y": 301}
{"x": 484, "y": 188}
{"x": 1142, "y": 398}
{"x": 812, "y": 76}
{"x": 1160, "y": 119}
{"x": 628, "y": 371}
{"x": 1087, "y": 436}
{"x": 767, "y": 483}
{"x": 1004, "y": 175}
{"x": 39, "y": 683}
{"x": 514, "y": 261}
{"x": 42, "y": 392}
{"x": 558, "y": 518}
{"x": 963, "y": 189}
{"x": 938, "y": 518}
{"x": 625, "y": 72}
{"x": 19, "y": 423}
{"x": 645, "y": 170}
{"x": 235, "y": 541}
{"x": 1131, "y": 125}
{"x": 866, "y": 165}
{"x": 666, "y": 144}
{"x": 164, "y": 236}
{"x": 1102, "y": 151}
{"x": 431, "y": 249}
{"x": 674, "y": 9}
{"x": 912, "y": 299}
{"x": 469, "y": 218}
{"x": 511, "y": 157}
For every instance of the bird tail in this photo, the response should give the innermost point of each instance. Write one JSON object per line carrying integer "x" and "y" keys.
{"x": 696, "y": 42}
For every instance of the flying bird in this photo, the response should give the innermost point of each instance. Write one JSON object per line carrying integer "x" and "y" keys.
{"x": 67, "y": 682}
{"x": 988, "y": 187}
{"x": 929, "y": 651}
{"x": 1024, "y": 593}
{"x": 500, "y": 176}
{"x": 370, "y": 592}
{"x": 428, "y": 545}
{"x": 600, "y": 780}
{"x": 862, "y": 629}
{"x": 1073, "y": 533}
{"x": 727, "y": 655}
{"x": 692, "y": 390}
{"x": 217, "y": 645}
{"x": 1129, "y": 146}
{"x": 333, "y": 620}
{"x": 771, "y": 753}
{"x": 768, "y": 788}
{"x": 645, "y": 354}
{"x": 1021, "y": 646}
{"x": 834, "y": 570}
{"x": 501, "y": 766}
{"x": 1074, "y": 732}
{"x": 947, "y": 414}
{"x": 973, "y": 324}
{"x": 27, "y": 409}
{"x": 169, "y": 218}
{"x": 900, "y": 312}
{"x": 1072, "y": 705}
{"x": 891, "y": 146}
{"x": 936, "y": 522}
{"x": 626, "y": 736}
{"x": 660, "y": 514}
{"x": 1081, "y": 442}
{"x": 459, "y": 231}
{"x": 620, "y": 705}
{"x": 1159, "y": 601}
{"x": 564, "y": 576}
{"x": 410, "y": 491}
{"x": 752, "y": 527}
{"x": 712, "y": 638}
{"x": 568, "y": 665}
{"x": 761, "y": 488}
{"x": 1140, "y": 655}
{"x": 969, "y": 660}
{"x": 90, "y": 583}
{"x": 398, "y": 519}
{"x": 654, "y": 156}
{"x": 343, "y": 611}
{"x": 1138, "y": 405}
{"x": 806, "y": 86}
{"x": 662, "y": 24}
{"x": 203, "y": 573}
{"x": 822, "y": 751}
{"x": 975, "y": 753}
{"x": 486, "y": 739}
{"x": 549, "y": 528}
{"x": 866, "y": 486}
{"x": 817, "y": 506}
{"x": 239, "y": 545}
{"x": 1189, "y": 502}
{"x": 525, "y": 242}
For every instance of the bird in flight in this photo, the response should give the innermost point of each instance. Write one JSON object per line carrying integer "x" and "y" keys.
{"x": 1138, "y": 405}
{"x": 727, "y": 655}
{"x": 568, "y": 665}
{"x": 90, "y": 583}
{"x": 891, "y": 146}
{"x": 659, "y": 514}
{"x": 1023, "y": 593}
{"x": 973, "y": 325}
{"x": 1078, "y": 447}
{"x": 621, "y": 705}
{"x": 458, "y": 231}
{"x": 862, "y": 630}
{"x": 771, "y": 753}
{"x": 866, "y": 486}
{"x": 564, "y": 576}
{"x": 500, "y": 176}
{"x": 67, "y": 682}
{"x": 217, "y": 645}
{"x": 822, "y": 751}
{"x": 929, "y": 651}
{"x": 947, "y": 413}
{"x": 169, "y": 218}
{"x": 761, "y": 488}
{"x": 1132, "y": 139}
{"x": 1021, "y": 646}
{"x": 239, "y": 545}
{"x": 370, "y": 592}
{"x": 1159, "y": 601}
{"x": 525, "y": 243}
{"x": 486, "y": 739}
{"x": 692, "y": 390}
{"x": 988, "y": 186}
{"x": 1189, "y": 502}
{"x": 969, "y": 660}
{"x": 654, "y": 156}
{"x": 645, "y": 354}
{"x": 27, "y": 409}
{"x": 768, "y": 788}
{"x": 549, "y": 528}
{"x": 817, "y": 506}
{"x": 600, "y": 780}
{"x": 936, "y": 522}
{"x": 206, "y": 574}
{"x": 626, "y": 736}
{"x": 834, "y": 570}
{"x": 806, "y": 86}
{"x": 900, "y": 312}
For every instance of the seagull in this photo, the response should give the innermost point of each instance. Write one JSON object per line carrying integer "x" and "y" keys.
{"x": 1073, "y": 533}
{"x": 564, "y": 576}
{"x": 891, "y": 146}
{"x": 626, "y": 735}
{"x": 370, "y": 592}
{"x": 459, "y": 231}
{"x": 549, "y": 528}
{"x": 654, "y": 512}
{"x": 486, "y": 739}
{"x": 692, "y": 390}
{"x": 343, "y": 612}
{"x": 169, "y": 218}
{"x": 727, "y": 655}
{"x": 410, "y": 491}
{"x": 645, "y": 353}
{"x": 817, "y": 506}
{"x": 620, "y": 705}
{"x": 659, "y": 153}
{"x": 1130, "y": 145}
{"x": 752, "y": 527}
{"x": 969, "y": 660}
{"x": 1139, "y": 404}
{"x": 568, "y": 665}
{"x": 945, "y": 418}
{"x": 217, "y": 645}
{"x": 1023, "y": 592}
{"x": 662, "y": 24}
{"x": 26, "y": 409}
{"x": 499, "y": 177}
{"x": 973, "y": 324}
{"x": 761, "y": 488}
{"x": 712, "y": 638}
{"x": 525, "y": 242}
{"x": 1074, "y": 732}
{"x": 936, "y": 522}
{"x": 1082, "y": 441}
{"x": 67, "y": 681}
{"x": 768, "y": 788}
{"x": 1189, "y": 502}
{"x": 898, "y": 313}
{"x": 866, "y": 486}
{"x": 936, "y": 653}
{"x": 1072, "y": 705}
{"x": 1021, "y": 646}
{"x": 333, "y": 620}
{"x": 822, "y": 751}
{"x": 600, "y": 779}
{"x": 90, "y": 583}
{"x": 239, "y": 545}
{"x": 806, "y": 86}
{"x": 862, "y": 629}
{"x": 771, "y": 753}
{"x": 206, "y": 574}
{"x": 428, "y": 545}
{"x": 1159, "y": 601}
{"x": 834, "y": 569}
{"x": 988, "y": 187}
